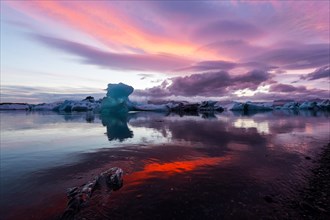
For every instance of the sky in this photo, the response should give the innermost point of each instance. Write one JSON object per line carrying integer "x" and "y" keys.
{"x": 173, "y": 50}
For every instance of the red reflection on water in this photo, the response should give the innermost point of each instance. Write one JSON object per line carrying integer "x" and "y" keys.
{"x": 154, "y": 169}
{"x": 182, "y": 166}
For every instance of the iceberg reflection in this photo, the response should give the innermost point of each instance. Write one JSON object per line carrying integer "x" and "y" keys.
{"x": 117, "y": 128}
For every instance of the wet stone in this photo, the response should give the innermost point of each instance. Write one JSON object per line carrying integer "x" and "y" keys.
{"x": 79, "y": 197}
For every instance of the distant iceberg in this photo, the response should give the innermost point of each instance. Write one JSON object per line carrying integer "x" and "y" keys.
{"x": 250, "y": 106}
{"x": 14, "y": 106}
{"x": 324, "y": 105}
{"x": 45, "y": 106}
{"x": 88, "y": 104}
{"x": 290, "y": 106}
{"x": 308, "y": 106}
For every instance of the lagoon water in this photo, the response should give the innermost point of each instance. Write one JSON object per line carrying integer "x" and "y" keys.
{"x": 220, "y": 166}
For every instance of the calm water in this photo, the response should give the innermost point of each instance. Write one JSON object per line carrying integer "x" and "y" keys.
{"x": 213, "y": 166}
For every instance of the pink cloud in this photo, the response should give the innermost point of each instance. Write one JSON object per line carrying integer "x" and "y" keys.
{"x": 91, "y": 55}
{"x": 236, "y": 35}
{"x": 211, "y": 40}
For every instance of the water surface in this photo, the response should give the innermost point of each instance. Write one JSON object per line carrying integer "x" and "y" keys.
{"x": 212, "y": 165}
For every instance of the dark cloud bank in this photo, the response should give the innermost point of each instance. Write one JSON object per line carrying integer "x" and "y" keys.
{"x": 207, "y": 84}
{"x": 217, "y": 84}
{"x": 321, "y": 73}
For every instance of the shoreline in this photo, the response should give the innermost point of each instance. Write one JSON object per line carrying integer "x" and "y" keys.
{"x": 313, "y": 201}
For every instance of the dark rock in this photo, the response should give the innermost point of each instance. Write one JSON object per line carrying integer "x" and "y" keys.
{"x": 79, "y": 197}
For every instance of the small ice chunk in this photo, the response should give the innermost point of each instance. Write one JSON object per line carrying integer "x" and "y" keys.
{"x": 14, "y": 106}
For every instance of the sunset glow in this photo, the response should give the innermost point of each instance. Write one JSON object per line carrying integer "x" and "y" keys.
{"x": 165, "y": 49}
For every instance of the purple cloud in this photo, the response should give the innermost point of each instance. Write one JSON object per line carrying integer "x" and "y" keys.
{"x": 227, "y": 30}
{"x": 221, "y": 65}
{"x": 208, "y": 84}
{"x": 210, "y": 65}
{"x": 286, "y": 88}
{"x": 200, "y": 84}
{"x": 157, "y": 91}
{"x": 320, "y": 73}
{"x": 186, "y": 11}
{"x": 250, "y": 80}
{"x": 237, "y": 49}
{"x": 91, "y": 55}
{"x": 299, "y": 56}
